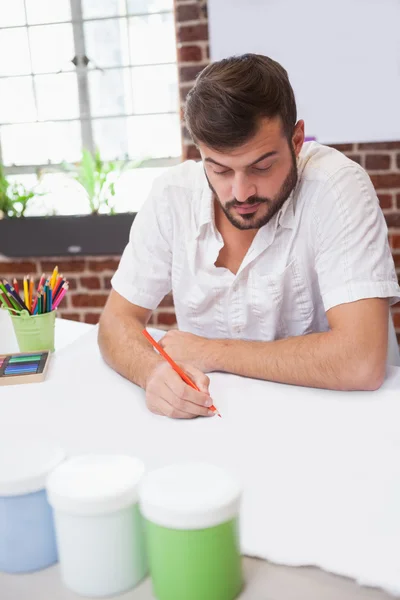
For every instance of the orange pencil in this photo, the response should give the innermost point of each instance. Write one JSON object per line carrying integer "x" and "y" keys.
{"x": 173, "y": 364}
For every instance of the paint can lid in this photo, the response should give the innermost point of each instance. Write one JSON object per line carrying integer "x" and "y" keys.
{"x": 95, "y": 484}
{"x": 25, "y": 464}
{"x": 190, "y": 496}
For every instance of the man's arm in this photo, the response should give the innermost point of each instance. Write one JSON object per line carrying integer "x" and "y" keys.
{"x": 127, "y": 351}
{"x": 121, "y": 342}
{"x": 350, "y": 356}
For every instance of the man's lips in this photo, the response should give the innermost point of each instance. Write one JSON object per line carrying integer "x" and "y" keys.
{"x": 245, "y": 209}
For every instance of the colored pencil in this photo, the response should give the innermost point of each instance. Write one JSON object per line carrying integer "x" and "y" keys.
{"x": 17, "y": 298}
{"x": 57, "y": 287}
{"x": 4, "y": 300}
{"x": 14, "y": 303}
{"x": 31, "y": 286}
{"x": 53, "y": 277}
{"x": 60, "y": 296}
{"x": 26, "y": 293}
{"x": 16, "y": 286}
{"x": 173, "y": 364}
{"x": 41, "y": 282}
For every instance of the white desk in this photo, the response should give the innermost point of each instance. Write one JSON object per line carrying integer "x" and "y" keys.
{"x": 73, "y": 422}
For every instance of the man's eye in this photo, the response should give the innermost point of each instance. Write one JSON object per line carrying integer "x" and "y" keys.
{"x": 221, "y": 172}
{"x": 262, "y": 168}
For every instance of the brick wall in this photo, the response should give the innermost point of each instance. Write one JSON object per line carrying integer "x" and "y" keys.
{"x": 90, "y": 277}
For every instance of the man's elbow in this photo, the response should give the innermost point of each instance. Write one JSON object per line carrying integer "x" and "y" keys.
{"x": 366, "y": 375}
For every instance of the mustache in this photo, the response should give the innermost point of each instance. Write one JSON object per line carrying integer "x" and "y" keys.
{"x": 249, "y": 201}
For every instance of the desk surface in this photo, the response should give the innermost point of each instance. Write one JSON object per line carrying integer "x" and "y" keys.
{"x": 264, "y": 581}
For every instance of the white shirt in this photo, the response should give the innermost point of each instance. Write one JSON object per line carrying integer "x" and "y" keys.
{"x": 326, "y": 246}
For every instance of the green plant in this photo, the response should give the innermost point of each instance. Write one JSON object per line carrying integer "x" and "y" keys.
{"x": 14, "y": 197}
{"x": 98, "y": 178}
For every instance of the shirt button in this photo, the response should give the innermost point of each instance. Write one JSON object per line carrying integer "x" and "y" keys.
{"x": 237, "y": 328}
{"x": 235, "y": 287}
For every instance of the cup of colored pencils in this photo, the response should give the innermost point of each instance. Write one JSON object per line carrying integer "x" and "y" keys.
{"x": 33, "y": 309}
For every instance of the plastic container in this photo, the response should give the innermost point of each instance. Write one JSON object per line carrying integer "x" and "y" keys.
{"x": 34, "y": 332}
{"x": 191, "y": 514}
{"x": 27, "y": 540}
{"x": 99, "y": 528}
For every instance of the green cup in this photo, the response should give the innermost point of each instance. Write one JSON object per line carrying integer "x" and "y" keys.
{"x": 191, "y": 524}
{"x": 34, "y": 332}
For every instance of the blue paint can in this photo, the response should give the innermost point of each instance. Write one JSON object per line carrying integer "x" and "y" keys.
{"x": 27, "y": 539}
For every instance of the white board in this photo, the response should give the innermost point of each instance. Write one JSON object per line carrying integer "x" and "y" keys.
{"x": 342, "y": 56}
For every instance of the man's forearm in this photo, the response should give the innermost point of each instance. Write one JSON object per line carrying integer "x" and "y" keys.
{"x": 315, "y": 360}
{"x": 124, "y": 348}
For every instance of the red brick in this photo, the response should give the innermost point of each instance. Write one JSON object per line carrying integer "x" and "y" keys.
{"x": 22, "y": 267}
{"x": 395, "y": 241}
{"x": 396, "y": 258}
{"x": 398, "y": 200}
{"x": 184, "y": 90}
{"x": 89, "y": 300}
{"x": 356, "y": 157}
{"x": 398, "y": 161}
{"x": 343, "y": 147}
{"x": 70, "y": 316}
{"x": 189, "y": 54}
{"x": 191, "y": 152}
{"x": 377, "y": 162}
{"x": 398, "y": 338}
{"x": 385, "y": 200}
{"x": 92, "y": 318}
{"x": 187, "y": 12}
{"x": 107, "y": 283}
{"x": 109, "y": 264}
{"x": 166, "y": 318}
{"x": 167, "y": 300}
{"x": 72, "y": 282}
{"x": 64, "y": 266}
{"x": 189, "y": 73}
{"x": 90, "y": 283}
{"x": 389, "y": 180}
{"x": 379, "y": 146}
{"x": 193, "y": 33}
{"x": 393, "y": 219}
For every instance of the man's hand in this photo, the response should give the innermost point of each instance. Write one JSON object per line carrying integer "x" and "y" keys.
{"x": 190, "y": 348}
{"x": 167, "y": 394}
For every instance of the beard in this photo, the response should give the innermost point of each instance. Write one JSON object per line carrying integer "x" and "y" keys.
{"x": 273, "y": 205}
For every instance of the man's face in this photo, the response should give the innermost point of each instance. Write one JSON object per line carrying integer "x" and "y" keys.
{"x": 251, "y": 183}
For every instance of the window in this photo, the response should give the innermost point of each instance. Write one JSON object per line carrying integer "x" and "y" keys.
{"x": 92, "y": 73}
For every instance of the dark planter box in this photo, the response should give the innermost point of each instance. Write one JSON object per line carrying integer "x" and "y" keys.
{"x": 65, "y": 235}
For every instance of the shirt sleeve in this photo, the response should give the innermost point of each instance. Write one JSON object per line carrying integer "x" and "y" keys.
{"x": 143, "y": 276}
{"x": 353, "y": 257}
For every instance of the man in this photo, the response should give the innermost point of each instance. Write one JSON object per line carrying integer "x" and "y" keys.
{"x": 276, "y": 253}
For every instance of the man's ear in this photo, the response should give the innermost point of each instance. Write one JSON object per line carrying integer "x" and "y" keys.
{"x": 298, "y": 137}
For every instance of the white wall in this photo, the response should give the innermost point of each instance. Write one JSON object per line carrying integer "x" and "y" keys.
{"x": 342, "y": 56}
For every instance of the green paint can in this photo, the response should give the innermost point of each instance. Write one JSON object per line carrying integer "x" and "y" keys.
{"x": 191, "y": 515}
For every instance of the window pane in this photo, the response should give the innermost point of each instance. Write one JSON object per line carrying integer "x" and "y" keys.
{"x": 17, "y": 102}
{"x": 14, "y": 52}
{"x": 155, "y": 89}
{"x": 152, "y": 39}
{"x": 57, "y": 96}
{"x": 111, "y": 137}
{"x": 149, "y": 6}
{"x": 107, "y": 43}
{"x": 140, "y": 180}
{"x": 154, "y": 136}
{"x": 52, "y": 48}
{"x": 12, "y": 13}
{"x": 40, "y": 143}
{"x": 47, "y": 11}
{"x": 93, "y": 9}
{"x": 110, "y": 92}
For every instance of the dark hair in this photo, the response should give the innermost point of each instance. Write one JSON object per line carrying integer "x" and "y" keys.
{"x": 229, "y": 97}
